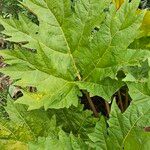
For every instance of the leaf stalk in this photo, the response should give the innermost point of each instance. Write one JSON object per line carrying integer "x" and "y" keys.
{"x": 91, "y": 104}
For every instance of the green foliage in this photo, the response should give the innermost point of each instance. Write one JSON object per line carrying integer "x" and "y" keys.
{"x": 9, "y": 8}
{"x": 76, "y": 46}
{"x": 62, "y": 142}
{"x": 124, "y": 129}
{"x": 80, "y": 60}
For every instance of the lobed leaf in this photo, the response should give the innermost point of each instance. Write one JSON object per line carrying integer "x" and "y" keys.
{"x": 22, "y": 126}
{"x": 64, "y": 54}
{"x": 123, "y": 129}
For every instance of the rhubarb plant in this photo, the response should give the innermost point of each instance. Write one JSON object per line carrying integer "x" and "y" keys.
{"x": 76, "y": 49}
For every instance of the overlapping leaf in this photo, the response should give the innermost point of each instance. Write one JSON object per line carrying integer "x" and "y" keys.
{"x": 123, "y": 127}
{"x": 75, "y": 120}
{"x": 22, "y": 126}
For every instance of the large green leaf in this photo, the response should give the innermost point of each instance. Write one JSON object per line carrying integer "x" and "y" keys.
{"x": 18, "y": 127}
{"x": 22, "y": 126}
{"x": 123, "y": 125}
{"x": 65, "y": 52}
{"x": 123, "y": 129}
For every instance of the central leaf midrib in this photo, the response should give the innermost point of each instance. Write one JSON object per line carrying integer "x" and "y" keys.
{"x": 65, "y": 39}
{"x": 27, "y": 125}
{"x": 109, "y": 46}
{"x": 132, "y": 126}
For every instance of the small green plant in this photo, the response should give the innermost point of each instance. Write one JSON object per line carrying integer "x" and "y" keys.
{"x": 77, "y": 50}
